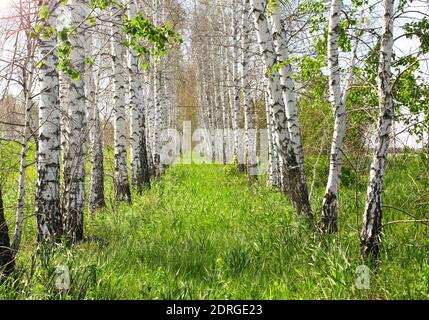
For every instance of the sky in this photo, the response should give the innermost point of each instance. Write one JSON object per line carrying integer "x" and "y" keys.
{"x": 4, "y": 4}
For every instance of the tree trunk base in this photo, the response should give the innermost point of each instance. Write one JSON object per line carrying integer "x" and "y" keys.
{"x": 329, "y": 213}
{"x": 123, "y": 192}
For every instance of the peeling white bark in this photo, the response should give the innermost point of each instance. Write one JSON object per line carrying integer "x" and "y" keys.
{"x": 48, "y": 213}
{"x": 372, "y": 220}
{"x": 223, "y": 100}
{"x": 235, "y": 80}
{"x": 122, "y": 187}
{"x": 96, "y": 194}
{"x": 157, "y": 99}
{"x": 149, "y": 114}
{"x": 245, "y": 84}
{"x": 291, "y": 178}
{"x": 27, "y": 78}
{"x": 272, "y": 175}
{"x": 75, "y": 123}
{"x": 96, "y": 197}
{"x": 288, "y": 86}
{"x": 289, "y": 95}
{"x": 330, "y": 199}
{"x": 139, "y": 167}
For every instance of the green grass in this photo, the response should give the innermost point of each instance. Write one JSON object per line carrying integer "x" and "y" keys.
{"x": 202, "y": 233}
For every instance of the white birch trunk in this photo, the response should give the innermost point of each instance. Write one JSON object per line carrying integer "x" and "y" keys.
{"x": 372, "y": 220}
{"x": 274, "y": 158}
{"x": 149, "y": 122}
{"x": 96, "y": 197}
{"x": 74, "y": 154}
{"x": 235, "y": 82}
{"x": 28, "y": 82}
{"x": 289, "y": 97}
{"x": 64, "y": 106}
{"x": 223, "y": 100}
{"x": 291, "y": 176}
{"x": 157, "y": 119}
{"x": 230, "y": 92}
{"x": 329, "y": 206}
{"x": 245, "y": 84}
{"x": 96, "y": 194}
{"x": 288, "y": 88}
{"x": 157, "y": 98}
{"x": 138, "y": 151}
{"x": 136, "y": 112}
{"x": 122, "y": 187}
{"x": 162, "y": 120}
{"x": 48, "y": 213}
{"x": 226, "y": 77}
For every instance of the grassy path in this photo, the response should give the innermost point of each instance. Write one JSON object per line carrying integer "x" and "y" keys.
{"x": 202, "y": 233}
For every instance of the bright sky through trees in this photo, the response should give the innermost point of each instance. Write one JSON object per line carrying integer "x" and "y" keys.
{"x": 5, "y": 4}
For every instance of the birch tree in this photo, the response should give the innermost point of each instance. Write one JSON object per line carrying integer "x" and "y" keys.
{"x": 28, "y": 80}
{"x": 27, "y": 90}
{"x": 139, "y": 166}
{"x": 291, "y": 178}
{"x": 96, "y": 198}
{"x": 48, "y": 212}
{"x": 372, "y": 219}
{"x": 75, "y": 123}
{"x": 235, "y": 80}
{"x": 246, "y": 87}
{"x": 223, "y": 96}
{"x": 338, "y": 97}
{"x": 122, "y": 187}
{"x": 149, "y": 114}
{"x": 273, "y": 175}
{"x": 96, "y": 194}
{"x": 157, "y": 103}
{"x": 329, "y": 206}
{"x": 290, "y": 101}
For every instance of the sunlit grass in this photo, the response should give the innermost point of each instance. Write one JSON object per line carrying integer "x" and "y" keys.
{"x": 202, "y": 233}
